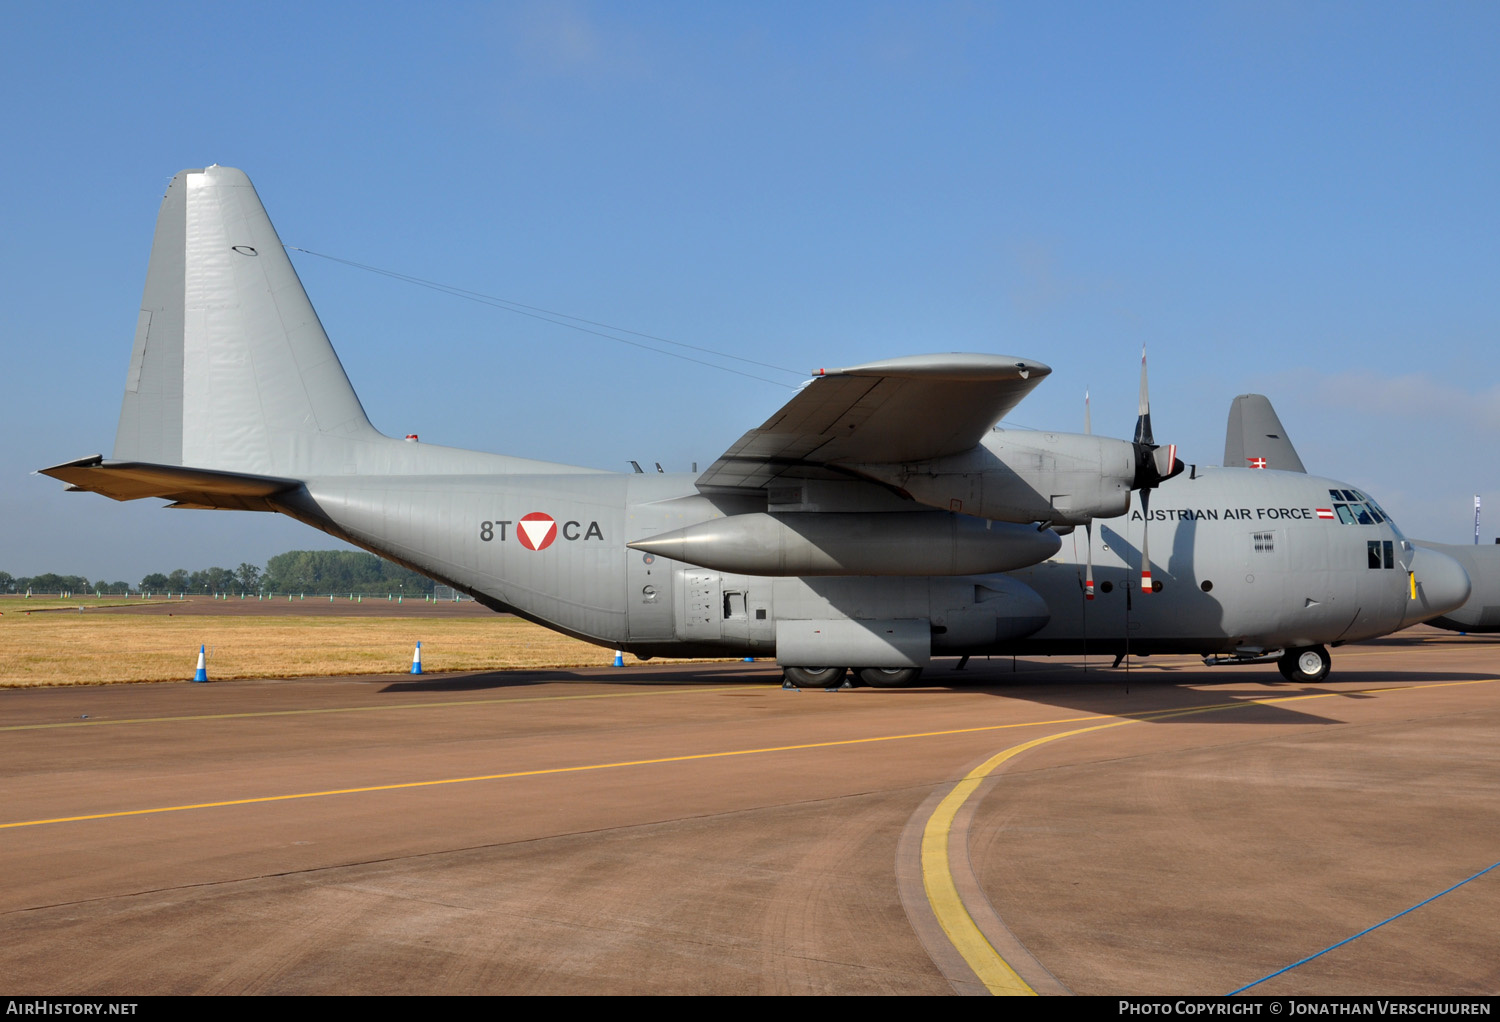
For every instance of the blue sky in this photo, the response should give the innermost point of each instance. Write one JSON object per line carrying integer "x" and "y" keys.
{"x": 1295, "y": 199}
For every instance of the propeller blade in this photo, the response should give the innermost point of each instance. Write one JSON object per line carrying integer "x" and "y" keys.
{"x": 1088, "y": 572}
{"x": 1153, "y": 464}
{"x": 1143, "y": 417}
{"x": 1146, "y": 542}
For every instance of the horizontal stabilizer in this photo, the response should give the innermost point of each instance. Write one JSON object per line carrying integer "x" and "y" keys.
{"x": 195, "y": 487}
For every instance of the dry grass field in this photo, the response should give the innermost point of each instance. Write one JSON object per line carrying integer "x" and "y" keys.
{"x": 53, "y": 642}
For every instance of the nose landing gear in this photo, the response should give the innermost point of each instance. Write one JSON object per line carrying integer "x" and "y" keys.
{"x": 1305, "y": 664}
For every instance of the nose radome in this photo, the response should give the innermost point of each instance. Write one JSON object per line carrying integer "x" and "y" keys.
{"x": 1442, "y": 585}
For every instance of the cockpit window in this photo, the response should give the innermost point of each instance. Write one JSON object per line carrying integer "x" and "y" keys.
{"x": 1354, "y": 508}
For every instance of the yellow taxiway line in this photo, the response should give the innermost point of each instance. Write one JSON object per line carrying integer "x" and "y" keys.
{"x": 546, "y": 771}
{"x": 937, "y": 875}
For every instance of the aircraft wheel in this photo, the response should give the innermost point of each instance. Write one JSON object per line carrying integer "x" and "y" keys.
{"x": 888, "y": 677}
{"x": 1308, "y": 664}
{"x": 813, "y": 677}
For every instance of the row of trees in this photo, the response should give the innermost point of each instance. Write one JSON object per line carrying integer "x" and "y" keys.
{"x": 50, "y": 583}
{"x": 296, "y": 571}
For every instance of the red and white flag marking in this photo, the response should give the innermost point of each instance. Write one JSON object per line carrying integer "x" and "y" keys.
{"x": 537, "y": 530}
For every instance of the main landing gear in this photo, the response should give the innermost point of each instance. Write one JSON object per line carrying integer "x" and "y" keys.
{"x": 832, "y": 677}
{"x": 812, "y": 677}
{"x": 1305, "y": 664}
{"x": 888, "y": 677}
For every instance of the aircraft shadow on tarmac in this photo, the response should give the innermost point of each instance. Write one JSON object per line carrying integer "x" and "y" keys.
{"x": 1428, "y": 636}
{"x": 1148, "y": 689}
{"x": 722, "y": 674}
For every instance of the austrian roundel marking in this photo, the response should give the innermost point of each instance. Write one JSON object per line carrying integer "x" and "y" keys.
{"x": 536, "y": 531}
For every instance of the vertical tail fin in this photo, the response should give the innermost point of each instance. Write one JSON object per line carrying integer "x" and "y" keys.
{"x": 231, "y": 369}
{"x": 234, "y": 393}
{"x": 1255, "y": 437}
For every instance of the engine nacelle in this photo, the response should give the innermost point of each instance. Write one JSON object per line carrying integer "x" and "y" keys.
{"x": 1015, "y": 476}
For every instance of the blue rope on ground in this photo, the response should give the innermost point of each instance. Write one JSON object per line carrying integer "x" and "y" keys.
{"x": 1361, "y": 933}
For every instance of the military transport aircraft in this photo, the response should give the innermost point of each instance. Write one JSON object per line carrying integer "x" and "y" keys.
{"x": 1255, "y": 438}
{"x": 876, "y": 521}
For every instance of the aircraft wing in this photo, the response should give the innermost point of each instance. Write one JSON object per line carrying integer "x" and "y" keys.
{"x": 901, "y": 409}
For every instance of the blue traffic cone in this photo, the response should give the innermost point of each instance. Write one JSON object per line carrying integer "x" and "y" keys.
{"x": 416, "y": 660}
{"x": 619, "y": 658}
{"x": 202, "y": 673}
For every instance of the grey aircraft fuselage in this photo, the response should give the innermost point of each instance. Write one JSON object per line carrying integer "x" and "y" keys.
{"x": 551, "y": 548}
{"x": 875, "y": 521}
{"x": 1243, "y": 562}
{"x": 1481, "y": 613}
{"x": 1256, "y": 439}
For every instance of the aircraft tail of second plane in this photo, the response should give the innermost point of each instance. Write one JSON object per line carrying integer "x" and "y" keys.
{"x": 1255, "y": 437}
